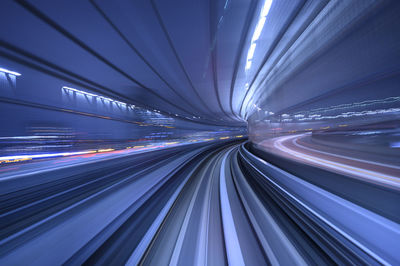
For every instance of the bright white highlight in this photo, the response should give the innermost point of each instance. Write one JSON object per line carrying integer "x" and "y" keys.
{"x": 9, "y": 72}
{"x": 68, "y": 89}
{"x": 248, "y": 65}
{"x": 257, "y": 32}
{"x": 259, "y": 28}
{"x": 266, "y": 8}
{"x": 41, "y": 156}
{"x": 251, "y": 51}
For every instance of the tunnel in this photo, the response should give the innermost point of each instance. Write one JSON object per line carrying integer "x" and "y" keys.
{"x": 200, "y": 132}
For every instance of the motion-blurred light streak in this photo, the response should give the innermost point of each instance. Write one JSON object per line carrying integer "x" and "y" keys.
{"x": 6, "y": 71}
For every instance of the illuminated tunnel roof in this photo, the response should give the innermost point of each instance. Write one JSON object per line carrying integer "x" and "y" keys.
{"x": 209, "y": 61}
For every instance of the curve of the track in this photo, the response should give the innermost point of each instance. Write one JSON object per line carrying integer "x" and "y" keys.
{"x": 213, "y": 204}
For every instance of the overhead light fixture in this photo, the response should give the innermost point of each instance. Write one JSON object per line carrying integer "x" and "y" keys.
{"x": 259, "y": 28}
{"x": 248, "y": 64}
{"x": 251, "y": 51}
{"x": 257, "y": 32}
{"x": 78, "y": 91}
{"x": 9, "y": 72}
{"x": 68, "y": 89}
{"x": 266, "y": 8}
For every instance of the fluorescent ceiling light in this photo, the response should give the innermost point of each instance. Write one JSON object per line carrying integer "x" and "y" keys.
{"x": 248, "y": 64}
{"x": 258, "y": 30}
{"x": 266, "y": 8}
{"x": 251, "y": 51}
{"x": 78, "y": 91}
{"x": 65, "y": 88}
{"x": 9, "y": 72}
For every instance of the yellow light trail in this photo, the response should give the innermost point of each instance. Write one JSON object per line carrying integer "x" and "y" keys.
{"x": 105, "y": 150}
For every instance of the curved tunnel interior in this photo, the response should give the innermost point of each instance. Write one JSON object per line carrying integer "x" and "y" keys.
{"x": 200, "y": 132}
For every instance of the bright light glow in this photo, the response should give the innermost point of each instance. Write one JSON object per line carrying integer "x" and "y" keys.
{"x": 30, "y": 137}
{"x": 105, "y": 150}
{"x": 259, "y": 28}
{"x": 68, "y": 89}
{"x": 41, "y": 156}
{"x": 257, "y": 32}
{"x": 9, "y": 72}
{"x": 248, "y": 64}
{"x": 266, "y": 8}
{"x": 378, "y": 177}
{"x": 246, "y": 86}
{"x": 395, "y": 145}
{"x": 78, "y": 91}
{"x": 251, "y": 51}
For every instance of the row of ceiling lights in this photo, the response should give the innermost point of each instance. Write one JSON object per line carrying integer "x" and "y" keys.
{"x": 256, "y": 35}
{"x": 257, "y": 32}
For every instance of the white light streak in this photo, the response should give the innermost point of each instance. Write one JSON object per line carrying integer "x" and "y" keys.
{"x": 69, "y": 89}
{"x": 46, "y": 155}
{"x": 9, "y": 72}
{"x": 266, "y": 8}
{"x": 251, "y": 51}
{"x": 258, "y": 30}
{"x": 248, "y": 64}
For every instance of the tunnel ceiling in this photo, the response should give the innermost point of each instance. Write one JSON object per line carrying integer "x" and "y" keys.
{"x": 182, "y": 57}
{"x": 211, "y": 60}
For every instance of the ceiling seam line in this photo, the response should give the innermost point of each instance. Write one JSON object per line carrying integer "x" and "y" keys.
{"x": 213, "y": 60}
{"x": 57, "y": 27}
{"x": 93, "y": 2}
{"x": 358, "y": 83}
{"x": 163, "y": 27}
{"x": 76, "y": 79}
{"x": 290, "y": 43}
{"x": 93, "y": 85}
{"x": 276, "y": 42}
{"x": 355, "y": 24}
{"x": 239, "y": 54}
